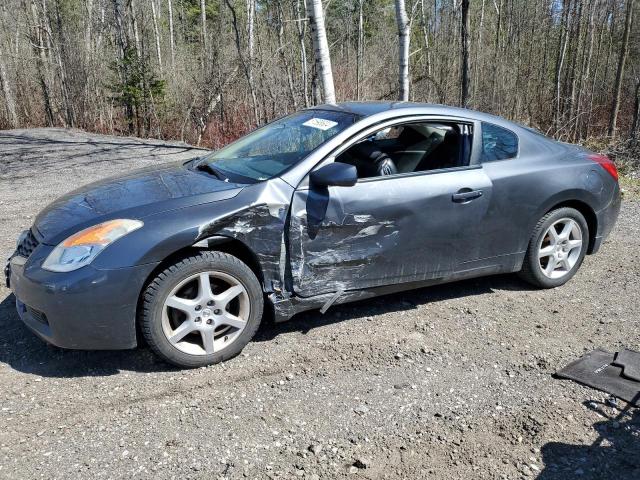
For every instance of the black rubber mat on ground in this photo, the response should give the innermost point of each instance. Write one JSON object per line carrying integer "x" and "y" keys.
{"x": 614, "y": 373}
{"x": 630, "y": 363}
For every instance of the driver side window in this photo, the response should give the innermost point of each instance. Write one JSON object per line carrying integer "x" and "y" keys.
{"x": 410, "y": 147}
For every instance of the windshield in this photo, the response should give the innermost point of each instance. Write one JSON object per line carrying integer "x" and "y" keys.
{"x": 272, "y": 149}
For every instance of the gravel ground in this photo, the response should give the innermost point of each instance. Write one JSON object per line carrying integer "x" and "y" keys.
{"x": 453, "y": 381}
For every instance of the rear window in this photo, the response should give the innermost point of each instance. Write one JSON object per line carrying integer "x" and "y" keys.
{"x": 498, "y": 143}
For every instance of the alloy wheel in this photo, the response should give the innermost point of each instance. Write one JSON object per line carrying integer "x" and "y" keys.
{"x": 560, "y": 248}
{"x": 205, "y": 313}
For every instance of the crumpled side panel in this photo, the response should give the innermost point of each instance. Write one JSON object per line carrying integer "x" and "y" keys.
{"x": 332, "y": 251}
{"x": 262, "y": 227}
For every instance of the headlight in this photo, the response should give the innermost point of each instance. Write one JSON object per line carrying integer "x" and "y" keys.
{"x": 81, "y": 248}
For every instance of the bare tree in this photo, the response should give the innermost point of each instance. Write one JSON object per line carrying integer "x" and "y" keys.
{"x": 246, "y": 66}
{"x": 8, "y": 94}
{"x": 402, "y": 21}
{"x": 464, "y": 64}
{"x": 562, "y": 50}
{"x": 479, "y": 41}
{"x": 635, "y": 122}
{"x": 302, "y": 31}
{"x": 359, "y": 49}
{"x": 36, "y": 37}
{"x": 61, "y": 58}
{"x": 283, "y": 54}
{"x": 321, "y": 50}
{"x": 122, "y": 43}
{"x": 617, "y": 89}
{"x": 425, "y": 34}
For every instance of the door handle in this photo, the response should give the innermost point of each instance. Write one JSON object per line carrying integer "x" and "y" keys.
{"x": 466, "y": 195}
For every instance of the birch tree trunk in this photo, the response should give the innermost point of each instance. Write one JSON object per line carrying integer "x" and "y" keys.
{"x": 203, "y": 21}
{"x": 156, "y": 33}
{"x": 171, "y": 36}
{"x": 617, "y": 89}
{"x": 403, "y": 50}
{"x": 321, "y": 50}
{"x": 464, "y": 64}
{"x": 134, "y": 24}
{"x": 251, "y": 13}
{"x": 89, "y": 23}
{"x": 476, "y": 67}
{"x": 102, "y": 22}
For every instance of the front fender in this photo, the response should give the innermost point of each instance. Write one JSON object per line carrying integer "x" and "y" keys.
{"x": 256, "y": 217}
{"x": 161, "y": 235}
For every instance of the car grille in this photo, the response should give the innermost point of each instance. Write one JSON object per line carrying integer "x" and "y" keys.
{"x": 27, "y": 245}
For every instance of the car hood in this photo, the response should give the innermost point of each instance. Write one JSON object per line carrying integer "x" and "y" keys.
{"x": 134, "y": 195}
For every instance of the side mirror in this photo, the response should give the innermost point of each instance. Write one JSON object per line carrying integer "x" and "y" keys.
{"x": 335, "y": 174}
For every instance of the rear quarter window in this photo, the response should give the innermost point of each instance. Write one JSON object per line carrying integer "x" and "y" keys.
{"x": 498, "y": 143}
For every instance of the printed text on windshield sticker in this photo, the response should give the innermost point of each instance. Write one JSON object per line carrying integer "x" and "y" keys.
{"x": 320, "y": 123}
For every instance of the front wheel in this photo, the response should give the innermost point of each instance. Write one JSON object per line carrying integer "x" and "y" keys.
{"x": 202, "y": 310}
{"x": 556, "y": 249}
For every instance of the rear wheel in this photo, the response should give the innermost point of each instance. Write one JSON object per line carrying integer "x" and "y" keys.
{"x": 556, "y": 249}
{"x": 202, "y": 310}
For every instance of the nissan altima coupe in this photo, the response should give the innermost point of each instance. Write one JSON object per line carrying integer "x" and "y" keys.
{"x": 328, "y": 205}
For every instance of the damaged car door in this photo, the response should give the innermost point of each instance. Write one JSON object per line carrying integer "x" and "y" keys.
{"x": 388, "y": 228}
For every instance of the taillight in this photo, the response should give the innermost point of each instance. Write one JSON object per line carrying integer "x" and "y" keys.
{"x": 606, "y": 163}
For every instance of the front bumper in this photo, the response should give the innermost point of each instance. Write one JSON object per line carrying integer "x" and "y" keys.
{"x": 86, "y": 309}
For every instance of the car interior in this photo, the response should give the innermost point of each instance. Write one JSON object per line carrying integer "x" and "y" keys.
{"x": 411, "y": 147}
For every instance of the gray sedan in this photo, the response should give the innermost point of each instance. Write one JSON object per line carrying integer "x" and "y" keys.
{"x": 328, "y": 205}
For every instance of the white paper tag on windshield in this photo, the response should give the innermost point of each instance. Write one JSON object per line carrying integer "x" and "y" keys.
{"x": 320, "y": 123}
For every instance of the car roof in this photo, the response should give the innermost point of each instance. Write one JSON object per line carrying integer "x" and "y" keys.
{"x": 367, "y": 109}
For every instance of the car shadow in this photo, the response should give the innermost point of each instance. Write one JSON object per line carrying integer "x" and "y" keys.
{"x": 24, "y": 352}
{"x": 613, "y": 455}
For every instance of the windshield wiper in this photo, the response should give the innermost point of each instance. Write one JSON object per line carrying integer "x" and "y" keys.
{"x": 207, "y": 167}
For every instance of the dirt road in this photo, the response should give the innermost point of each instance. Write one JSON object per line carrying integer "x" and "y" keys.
{"x": 442, "y": 383}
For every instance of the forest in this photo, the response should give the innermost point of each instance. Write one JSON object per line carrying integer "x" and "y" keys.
{"x": 207, "y": 71}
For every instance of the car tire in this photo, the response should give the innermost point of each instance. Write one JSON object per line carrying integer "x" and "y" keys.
{"x": 545, "y": 247}
{"x": 177, "y": 301}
